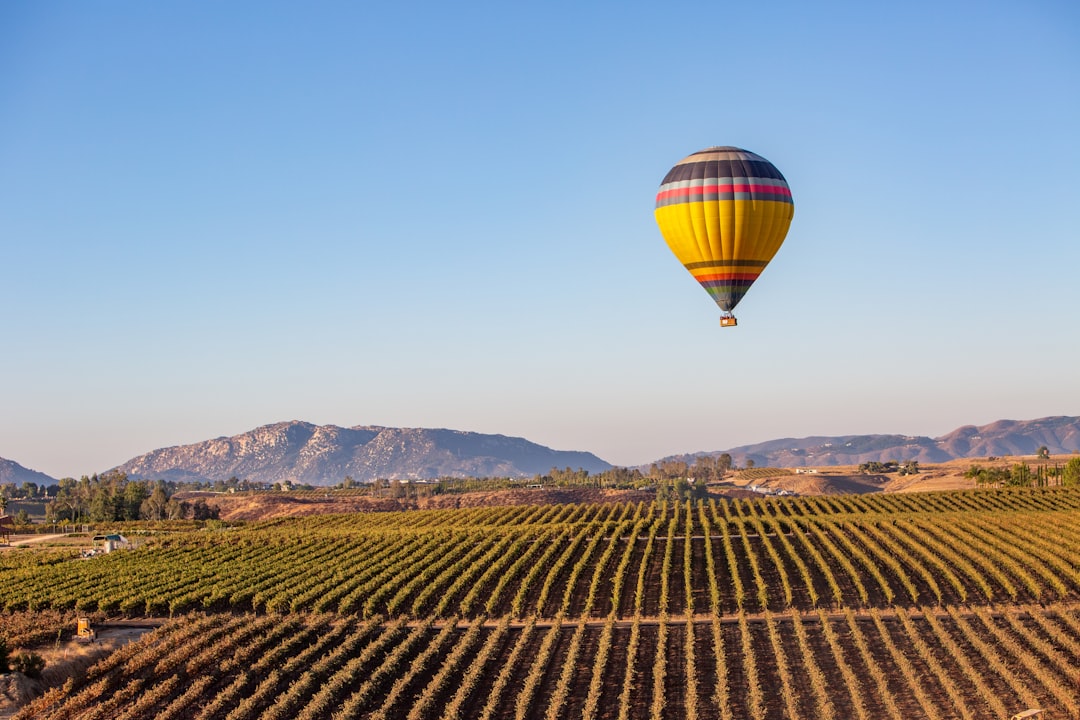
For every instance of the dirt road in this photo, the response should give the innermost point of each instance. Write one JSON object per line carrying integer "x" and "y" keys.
{"x": 24, "y": 540}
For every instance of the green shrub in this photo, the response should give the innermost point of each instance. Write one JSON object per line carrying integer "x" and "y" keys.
{"x": 29, "y": 664}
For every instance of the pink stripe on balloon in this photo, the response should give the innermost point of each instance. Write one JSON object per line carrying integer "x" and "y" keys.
{"x": 703, "y": 189}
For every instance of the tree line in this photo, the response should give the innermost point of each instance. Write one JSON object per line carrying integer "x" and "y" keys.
{"x": 669, "y": 478}
{"x": 892, "y": 466}
{"x": 1023, "y": 475}
{"x": 114, "y": 496}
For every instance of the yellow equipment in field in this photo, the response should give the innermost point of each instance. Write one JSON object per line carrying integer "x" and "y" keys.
{"x": 84, "y": 631}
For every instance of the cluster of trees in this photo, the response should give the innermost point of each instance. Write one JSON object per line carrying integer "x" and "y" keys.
{"x": 114, "y": 497}
{"x": 666, "y": 473}
{"x": 409, "y": 490}
{"x": 671, "y": 478}
{"x": 705, "y": 469}
{"x": 1023, "y": 475}
{"x": 681, "y": 489}
{"x": 27, "y": 491}
{"x": 892, "y": 466}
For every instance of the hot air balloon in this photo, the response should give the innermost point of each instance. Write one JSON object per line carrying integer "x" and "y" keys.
{"x": 724, "y": 212}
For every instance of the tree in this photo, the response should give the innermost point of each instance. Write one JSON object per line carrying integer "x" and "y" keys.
{"x": 707, "y": 468}
{"x": 910, "y": 468}
{"x": 101, "y": 507}
{"x": 176, "y": 509}
{"x": 202, "y": 511}
{"x": 134, "y": 495}
{"x": 1020, "y": 475}
{"x": 621, "y": 477}
{"x": 1070, "y": 475}
{"x": 154, "y": 507}
{"x": 989, "y": 475}
{"x": 1043, "y": 452}
{"x": 668, "y": 470}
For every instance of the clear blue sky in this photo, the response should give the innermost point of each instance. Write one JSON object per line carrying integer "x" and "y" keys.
{"x": 215, "y": 216}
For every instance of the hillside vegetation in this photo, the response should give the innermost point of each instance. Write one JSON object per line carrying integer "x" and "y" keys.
{"x": 938, "y": 605}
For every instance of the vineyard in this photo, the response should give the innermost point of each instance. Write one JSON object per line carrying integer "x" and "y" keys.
{"x": 937, "y": 605}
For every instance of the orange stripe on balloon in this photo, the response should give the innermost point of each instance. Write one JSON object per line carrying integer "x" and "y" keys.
{"x": 727, "y": 276}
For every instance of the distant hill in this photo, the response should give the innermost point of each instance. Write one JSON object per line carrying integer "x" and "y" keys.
{"x": 13, "y": 472}
{"x": 324, "y": 454}
{"x": 1060, "y": 435}
{"x": 301, "y": 452}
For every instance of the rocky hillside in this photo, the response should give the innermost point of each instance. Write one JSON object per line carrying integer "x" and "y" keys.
{"x": 1060, "y": 435}
{"x": 325, "y": 454}
{"x": 301, "y": 452}
{"x": 13, "y": 472}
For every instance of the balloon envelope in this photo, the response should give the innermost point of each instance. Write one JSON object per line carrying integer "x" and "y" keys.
{"x": 724, "y": 212}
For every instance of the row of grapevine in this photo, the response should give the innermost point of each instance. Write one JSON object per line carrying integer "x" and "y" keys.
{"x": 998, "y": 500}
{"x": 731, "y": 558}
{"x": 966, "y": 662}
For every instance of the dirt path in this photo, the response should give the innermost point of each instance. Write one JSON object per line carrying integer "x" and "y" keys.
{"x": 24, "y": 540}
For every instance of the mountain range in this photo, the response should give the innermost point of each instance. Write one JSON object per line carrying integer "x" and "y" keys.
{"x": 1060, "y": 435}
{"x": 13, "y": 472}
{"x": 302, "y": 452}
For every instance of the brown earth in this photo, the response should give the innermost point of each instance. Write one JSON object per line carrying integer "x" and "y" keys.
{"x": 931, "y": 477}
